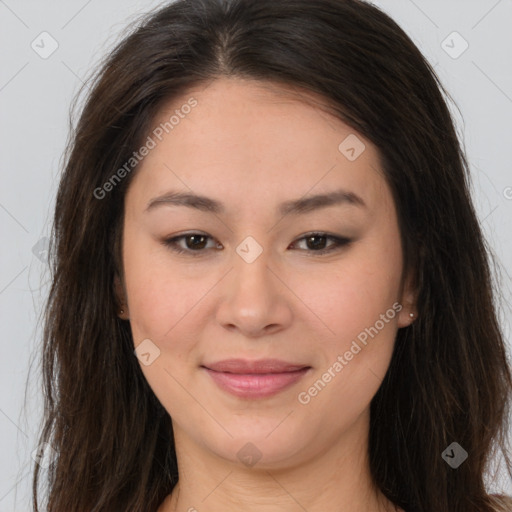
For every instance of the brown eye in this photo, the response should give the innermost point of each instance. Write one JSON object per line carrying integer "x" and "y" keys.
{"x": 318, "y": 243}
{"x": 315, "y": 243}
{"x": 193, "y": 243}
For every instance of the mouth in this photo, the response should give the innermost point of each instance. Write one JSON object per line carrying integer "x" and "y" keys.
{"x": 255, "y": 379}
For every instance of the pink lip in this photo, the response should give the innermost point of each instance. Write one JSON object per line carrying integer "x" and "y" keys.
{"x": 255, "y": 379}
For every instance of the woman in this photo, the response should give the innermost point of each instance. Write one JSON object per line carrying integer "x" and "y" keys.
{"x": 271, "y": 290}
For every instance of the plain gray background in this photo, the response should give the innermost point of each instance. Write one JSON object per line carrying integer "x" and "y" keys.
{"x": 35, "y": 97}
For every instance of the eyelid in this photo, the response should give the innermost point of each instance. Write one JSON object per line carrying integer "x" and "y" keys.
{"x": 338, "y": 243}
{"x": 172, "y": 242}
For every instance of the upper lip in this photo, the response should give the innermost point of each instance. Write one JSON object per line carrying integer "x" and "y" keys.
{"x": 245, "y": 366}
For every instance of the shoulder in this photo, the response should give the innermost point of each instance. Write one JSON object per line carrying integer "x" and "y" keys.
{"x": 502, "y": 503}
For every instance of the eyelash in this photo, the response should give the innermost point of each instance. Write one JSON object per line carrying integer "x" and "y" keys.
{"x": 338, "y": 243}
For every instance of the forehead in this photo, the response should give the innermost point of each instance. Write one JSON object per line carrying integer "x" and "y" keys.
{"x": 256, "y": 143}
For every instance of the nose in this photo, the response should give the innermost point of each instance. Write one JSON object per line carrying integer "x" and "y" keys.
{"x": 254, "y": 300}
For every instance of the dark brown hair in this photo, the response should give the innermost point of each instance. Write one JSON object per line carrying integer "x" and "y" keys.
{"x": 449, "y": 378}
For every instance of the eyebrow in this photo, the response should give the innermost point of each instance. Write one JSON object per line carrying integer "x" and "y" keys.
{"x": 296, "y": 206}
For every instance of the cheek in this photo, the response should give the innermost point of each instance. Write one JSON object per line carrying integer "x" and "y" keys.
{"x": 358, "y": 304}
{"x": 152, "y": 312}
{"x": 360, "y": 307}
{"x": 163, "y": 308}
{"x": 351, "y": 294}
{"x": 160, "y": 293}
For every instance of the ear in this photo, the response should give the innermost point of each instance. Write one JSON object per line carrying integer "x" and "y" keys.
{"x": 120, "y": 295}
{"x": 408, "y": 300}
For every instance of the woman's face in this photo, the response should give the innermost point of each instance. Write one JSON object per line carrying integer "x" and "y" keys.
{"x": 263, "y": 277}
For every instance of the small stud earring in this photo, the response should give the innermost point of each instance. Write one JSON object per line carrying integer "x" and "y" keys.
{"x": 121, "y": 312}
{"x": 411, "y": 315}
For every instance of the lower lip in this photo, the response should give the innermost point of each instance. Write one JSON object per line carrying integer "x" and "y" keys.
{"x": 256, "y": 385}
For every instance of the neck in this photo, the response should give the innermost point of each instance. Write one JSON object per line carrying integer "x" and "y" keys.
{"x": 337, "y": 480}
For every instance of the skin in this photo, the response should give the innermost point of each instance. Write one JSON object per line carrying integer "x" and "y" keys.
{"x": 252, "y": 146}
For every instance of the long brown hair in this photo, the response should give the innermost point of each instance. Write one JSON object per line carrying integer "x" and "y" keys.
{"x": 449, "y": 378}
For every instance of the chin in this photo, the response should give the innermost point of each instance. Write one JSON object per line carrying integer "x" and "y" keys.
{"x": 258, "y": 450}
